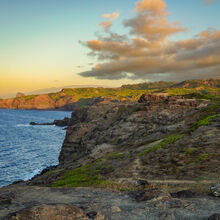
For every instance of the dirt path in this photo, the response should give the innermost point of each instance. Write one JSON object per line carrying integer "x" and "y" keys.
{"x": 184, "y": 181}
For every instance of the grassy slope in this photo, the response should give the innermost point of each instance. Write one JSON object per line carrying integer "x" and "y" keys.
{"x": 204, "y": 88}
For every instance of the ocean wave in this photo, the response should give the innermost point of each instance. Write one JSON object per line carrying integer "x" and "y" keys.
{"x": 22, "y": 125}
{"x": 34, "y": 173}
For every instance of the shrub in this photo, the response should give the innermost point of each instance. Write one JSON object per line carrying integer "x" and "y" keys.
{"x": 29, "y": 97}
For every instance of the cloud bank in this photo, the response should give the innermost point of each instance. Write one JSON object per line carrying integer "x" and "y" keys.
{"x": 147, "y": 51}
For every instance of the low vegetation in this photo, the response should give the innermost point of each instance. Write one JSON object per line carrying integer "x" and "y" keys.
{"x": 203, "y": 157}
{"x": 85, "y": 93}
{"x": 204, "y": 121}
{"x": 88, "y": 175}
{"x": 170, "y": 140}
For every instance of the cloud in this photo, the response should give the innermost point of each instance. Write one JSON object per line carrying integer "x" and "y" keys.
{"x": 111, "y": 17}
{"x": 147, "y": 51}
{"x": 209, "y": 2}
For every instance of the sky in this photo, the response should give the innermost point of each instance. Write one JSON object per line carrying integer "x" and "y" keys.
{"x": 54, "y": 43}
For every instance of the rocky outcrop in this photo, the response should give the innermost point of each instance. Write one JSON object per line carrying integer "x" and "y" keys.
{"x": 152, "y": 194}
{"x": 161, "y": 137}
{"x": 29, "y": 102}
{"x": 63, "y": 122}
{"x": 46, "y": 102}
{"x": 45, "y": 212}
{"x": 124, "y": 124}
{"x": 173, "y": 101}
{"x": 20, "y": 94}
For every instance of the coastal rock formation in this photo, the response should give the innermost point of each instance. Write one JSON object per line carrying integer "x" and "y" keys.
{"x": 63, "y": 122}
{"x": 125, "y": 125}
{"x": 156, "y": 159}
{"x": 160, "y": 138}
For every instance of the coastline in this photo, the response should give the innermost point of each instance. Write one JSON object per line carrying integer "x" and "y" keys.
{"x": 22, "y": 145}
{"x": 155, "y": 158}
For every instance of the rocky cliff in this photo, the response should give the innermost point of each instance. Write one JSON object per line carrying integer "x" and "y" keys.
{"x": 159, "y": 137}
{"x": 151, "y": 159}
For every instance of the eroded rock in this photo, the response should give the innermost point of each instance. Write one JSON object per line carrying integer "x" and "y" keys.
{"x": 215, "y": 216}
{"x": 52, "y": 212}
{"x": 152, "y": 194}
{"x": 185, "y": 194}
{"x": 6, "y": 198}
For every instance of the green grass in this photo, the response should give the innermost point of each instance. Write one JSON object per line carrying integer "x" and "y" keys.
{"x": 203, "y": 157}
{"x": 204, "y": 121}
{"x": 115, "y": 155}
{"x": 29, "y": 97}
{"x": 88, "y": 175}
{"x": 88, "y": 93}
{"x": 181, "y": 91}
{"x": 126, "y": 189}
{"x": 171, "y": 139}
{"x": 206, "y": 93}
{"x": 54, "y": 96}
{"x": 190, "y": 150}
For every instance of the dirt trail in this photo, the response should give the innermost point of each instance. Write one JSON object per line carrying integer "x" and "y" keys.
{"x": 184, "y": 181}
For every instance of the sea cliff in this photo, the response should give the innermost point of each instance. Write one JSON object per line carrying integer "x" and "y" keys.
{"x": 151, "y": 158}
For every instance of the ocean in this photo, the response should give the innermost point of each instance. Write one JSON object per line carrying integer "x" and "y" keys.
{"x": 26, "y": 150}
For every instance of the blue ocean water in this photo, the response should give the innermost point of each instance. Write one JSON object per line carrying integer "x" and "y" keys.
{"x": 24, "y": 149}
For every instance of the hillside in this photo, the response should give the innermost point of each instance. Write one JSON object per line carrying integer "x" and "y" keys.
{"x": 68, "y": 99}
{"x": 161, "y": 137}
{"x": 154, "y": 158}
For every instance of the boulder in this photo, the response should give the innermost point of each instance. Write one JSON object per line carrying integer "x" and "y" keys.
{"x": 185, "y": 194}
{"x": 215, "y": 190}
{"x": 152, "y": 194}
{"x": 215, "y": 216}
{"x": 92, "y": 214}
{"x": 45, "y": 212}
{"x": 141, "y": 182}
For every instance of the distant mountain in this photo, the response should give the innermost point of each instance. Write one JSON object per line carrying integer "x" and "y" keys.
{"x": 57, "y": 89}
{"x": 49, "y": 90}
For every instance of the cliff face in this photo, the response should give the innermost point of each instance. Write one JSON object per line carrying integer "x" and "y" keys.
{"x": 118, "y": 124}
{"x": 32, "y": 102}
{"x": 159, "y": 137}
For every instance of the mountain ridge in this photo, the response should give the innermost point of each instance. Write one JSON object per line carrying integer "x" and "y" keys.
{"x": 69, "y": 98}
